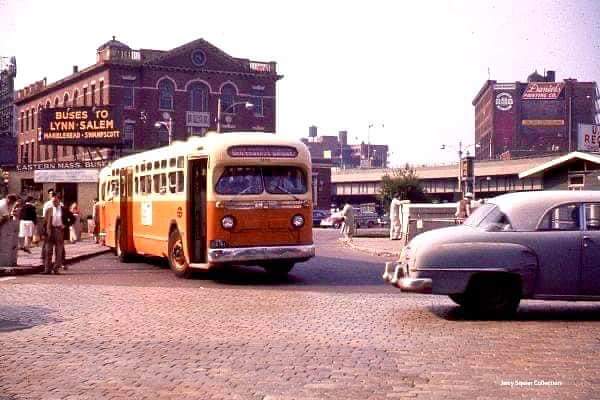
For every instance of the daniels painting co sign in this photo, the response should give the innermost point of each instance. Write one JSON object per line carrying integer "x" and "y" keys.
{"x": 82, "y": 126}
{"x": 542, "y": 91}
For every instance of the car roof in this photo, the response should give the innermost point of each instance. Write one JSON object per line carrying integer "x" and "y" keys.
{"x": 525, "y": 209}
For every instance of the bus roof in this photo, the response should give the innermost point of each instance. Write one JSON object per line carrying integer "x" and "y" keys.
{"x": 213, "y": 144}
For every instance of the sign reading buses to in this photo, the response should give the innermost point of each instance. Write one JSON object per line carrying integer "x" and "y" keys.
{"x": 81, "y": 126}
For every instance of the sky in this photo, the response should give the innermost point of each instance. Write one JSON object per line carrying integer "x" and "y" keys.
{"x": 408, "y": 68}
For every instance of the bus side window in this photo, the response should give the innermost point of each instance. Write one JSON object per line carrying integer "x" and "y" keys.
{"x": 103, "y": 191}
{"x": 143, "y": 184}
{"x": 172, "y": 181}
{"x": 163, "y": 183}
{"x": 172, "y": 162}
{"x": 156, "y": 183}
{"x": 180, "y": 181}
{"x": 163, "y": 163}
{"x": 137, "y": 185}
{"x": 179, "y": 162}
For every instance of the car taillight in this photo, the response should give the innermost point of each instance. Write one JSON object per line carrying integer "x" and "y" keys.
{"x": 228, "y": 222}
{"x": 297, "y": 221}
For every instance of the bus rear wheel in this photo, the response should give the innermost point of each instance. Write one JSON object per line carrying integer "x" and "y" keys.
{"x": 177, "y": 260}
{"x": 122, "y": 255}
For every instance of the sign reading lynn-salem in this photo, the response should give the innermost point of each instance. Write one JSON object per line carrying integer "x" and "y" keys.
{"x": 589, "y": 138}
{"x": 81, "y": 126}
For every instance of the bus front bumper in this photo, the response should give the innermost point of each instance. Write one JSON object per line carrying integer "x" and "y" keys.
{"x": 247, "y": 254}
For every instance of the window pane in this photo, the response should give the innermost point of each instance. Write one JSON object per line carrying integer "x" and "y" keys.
{"x": 179, "y": 162}
{"x": 156, "y": 183}
{"x": 563, "y": 218}
{"x": 172, "y": 182}
{"x": 143, "y": 185}
{"x": 240, "y": 180}
{"x": 592, "y": 217}
{"x": 180, "y": 181}
{"x": 281, "y": 180}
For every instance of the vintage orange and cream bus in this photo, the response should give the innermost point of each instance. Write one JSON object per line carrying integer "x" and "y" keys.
{"x": 234, "y": 198}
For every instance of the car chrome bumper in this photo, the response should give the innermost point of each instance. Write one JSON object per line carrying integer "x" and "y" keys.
{"x": 245, "y": 254}
{"x": 397, "y": 275}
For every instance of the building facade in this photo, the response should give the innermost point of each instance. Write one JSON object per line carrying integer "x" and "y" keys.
{"x": 179, "y": 89}
{"x": 8, "y": 72}
{"x": 533, "y": 118}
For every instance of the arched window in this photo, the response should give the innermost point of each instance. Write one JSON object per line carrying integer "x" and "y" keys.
{"x": 198, "y": 97}
{"x": 48, "y": 104}
{"x": 228, "y": 94}
{"x": 56, "y": 102}
{"x": 75, "y": 96}
{"x": 166, "y": 90}
{"x": 65, "y": 99}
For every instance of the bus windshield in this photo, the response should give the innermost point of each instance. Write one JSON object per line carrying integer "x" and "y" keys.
{"x": 254, "y": 180}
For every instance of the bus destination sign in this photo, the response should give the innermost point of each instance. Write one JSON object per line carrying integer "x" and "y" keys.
{"x": 257, "y": 151}
{"x": 81, "y": 126}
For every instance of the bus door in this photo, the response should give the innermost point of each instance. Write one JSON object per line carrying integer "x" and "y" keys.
{"x": 197, "y": 173}
{"x": 126, "y": 209}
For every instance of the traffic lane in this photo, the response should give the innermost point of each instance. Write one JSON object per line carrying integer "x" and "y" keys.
{"x": 177, "y": 342}
{"x": 335, "y": 268}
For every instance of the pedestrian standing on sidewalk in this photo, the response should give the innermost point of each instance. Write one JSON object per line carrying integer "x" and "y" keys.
{"x": 463, "y": 208}
{"x": 27, "y": 221}
{"x": 56, "y": 220}
{"x": 95, "y": 220}
{"x": 349, "y": 225}
{"x": 395, "y": 216}
{"x": 75, "y": 229}
{"x": 6, "y": 206}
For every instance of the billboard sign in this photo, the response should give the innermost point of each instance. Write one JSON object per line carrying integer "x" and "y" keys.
{"x": 542, "y": 91}
{"x": 81, "y": 126}
{"x": 588, "y": 138}
{"x": 66, "y": 175}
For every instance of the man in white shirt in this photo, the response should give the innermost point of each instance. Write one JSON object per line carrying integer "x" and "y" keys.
{"x": 6, "y": 206}
{"x": 54, "y": 238}
{"x": 395, "y": 214}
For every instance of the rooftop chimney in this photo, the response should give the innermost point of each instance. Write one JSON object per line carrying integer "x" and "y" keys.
{"x": 550, "y": 76}
{"x": 75, "y": 69}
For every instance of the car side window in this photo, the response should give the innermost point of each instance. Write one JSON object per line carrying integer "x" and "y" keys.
{"x": 562, "y": 218}
{"x": 592, "y": 217}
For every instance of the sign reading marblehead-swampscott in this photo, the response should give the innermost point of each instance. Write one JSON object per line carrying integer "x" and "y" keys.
{"x": 81, "y": 126}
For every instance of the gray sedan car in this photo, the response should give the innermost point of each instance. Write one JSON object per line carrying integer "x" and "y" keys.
{"x": 528, "y": 245}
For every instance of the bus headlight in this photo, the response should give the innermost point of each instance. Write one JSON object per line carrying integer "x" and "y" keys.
{"x": 298, "y": 221}
{"x": 228, "y": 222}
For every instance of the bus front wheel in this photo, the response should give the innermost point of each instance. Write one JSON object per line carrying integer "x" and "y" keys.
{"x": 177, "y": 260}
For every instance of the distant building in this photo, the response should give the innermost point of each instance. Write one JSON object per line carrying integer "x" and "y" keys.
{"x": 533, "y": 118}
{"x": 8, "y": 72}
{"x": 335, "y": 150}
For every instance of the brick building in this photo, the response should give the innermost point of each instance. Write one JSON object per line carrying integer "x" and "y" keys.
{"x": 182, "y": 85}
{"x": 533, "y": 118}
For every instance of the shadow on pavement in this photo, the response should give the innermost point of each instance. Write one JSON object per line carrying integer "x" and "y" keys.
{"x": 548, "y": 311}
{"x": 14, "y": 318}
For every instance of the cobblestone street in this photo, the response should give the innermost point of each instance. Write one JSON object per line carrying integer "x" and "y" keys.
{"x": 332, "y": 330}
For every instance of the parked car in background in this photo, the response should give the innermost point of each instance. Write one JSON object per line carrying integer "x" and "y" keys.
{"x": 331, "y": 222}
{"x": 384, "y": 220}
{"x": 537, "y": 245}
{"x": 318, "y": 216}
{"x": 365, "y": 219}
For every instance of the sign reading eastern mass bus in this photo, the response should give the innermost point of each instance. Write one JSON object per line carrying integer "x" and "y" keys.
{"x": 81, "y": 126}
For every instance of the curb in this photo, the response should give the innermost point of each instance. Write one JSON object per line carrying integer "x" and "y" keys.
{"x": 379, "y": 253}
{"x": 36, "y": 269}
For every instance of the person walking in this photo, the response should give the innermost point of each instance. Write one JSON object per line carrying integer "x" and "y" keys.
{"x": 349, "y": 225}
{"x": 27, "y": 219}
{"x": 56, "y": 219}
{"x": 75, "y": 229}
{"x": 463, "y": 208}
{"x": 395, "y": 214}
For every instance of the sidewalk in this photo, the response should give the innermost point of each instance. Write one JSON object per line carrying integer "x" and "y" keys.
{"x": 32, "y": 263}
{"x": 377, "y": 246}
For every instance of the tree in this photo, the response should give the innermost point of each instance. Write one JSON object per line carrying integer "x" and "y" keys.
{"x": 404, "y": 181}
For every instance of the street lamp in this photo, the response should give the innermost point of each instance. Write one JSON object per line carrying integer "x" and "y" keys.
{"x": 371, "y": 125}
{"x": 247, "y": 105}
{"x": 167, "y": 123}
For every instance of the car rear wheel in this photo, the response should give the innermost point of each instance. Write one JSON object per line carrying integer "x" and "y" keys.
{"x": 177, "y": 259}
{"x": 494, "y": 296}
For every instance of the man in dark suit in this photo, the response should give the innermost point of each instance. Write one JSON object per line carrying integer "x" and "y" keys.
{"x": 56, "y": 219}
